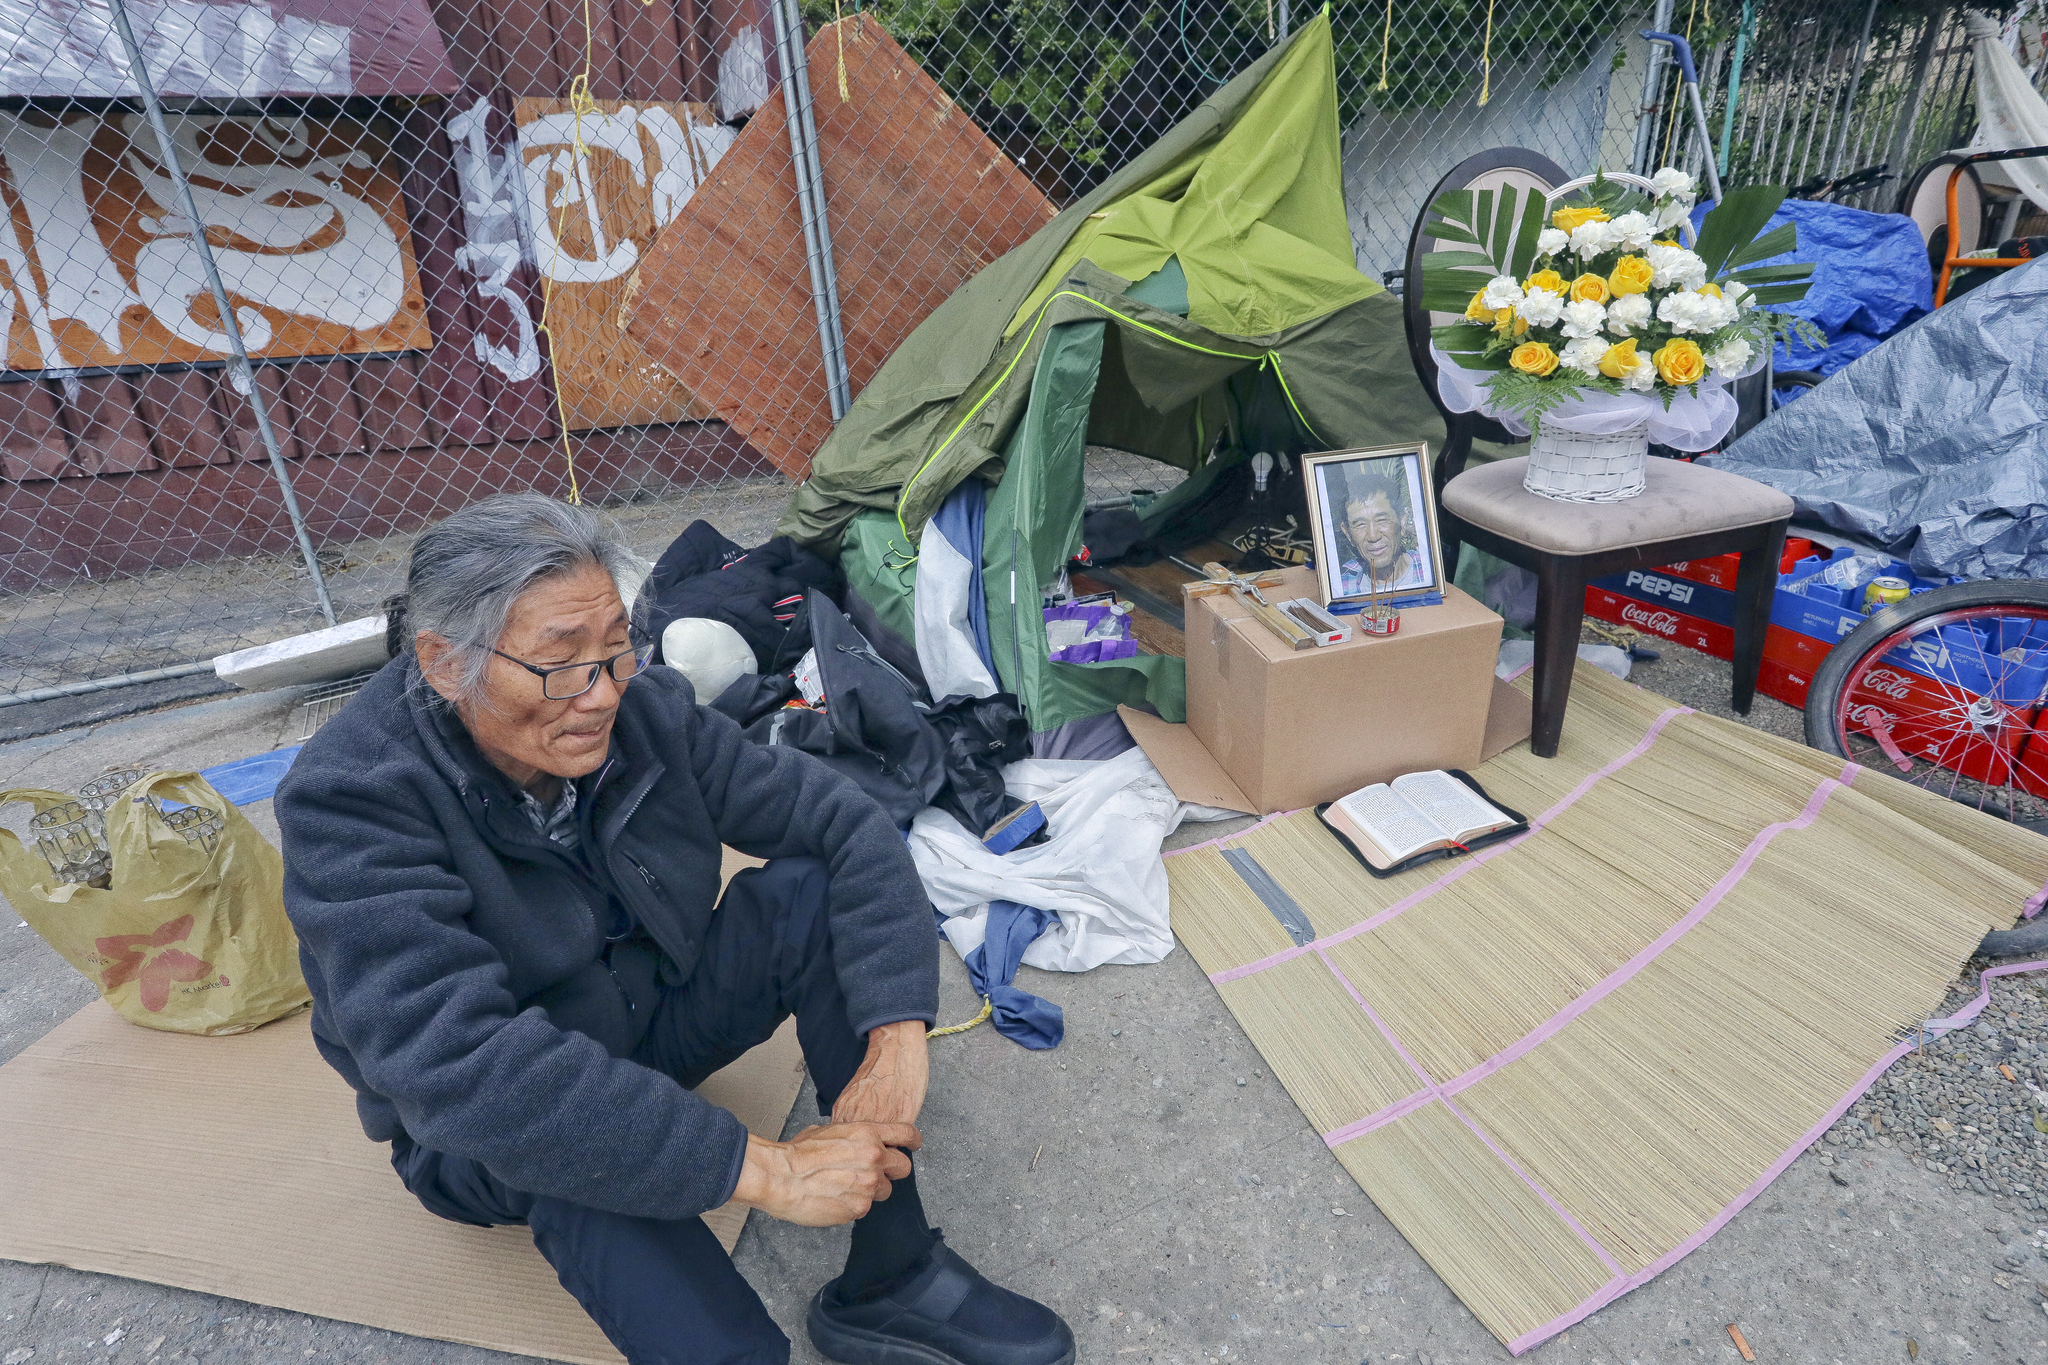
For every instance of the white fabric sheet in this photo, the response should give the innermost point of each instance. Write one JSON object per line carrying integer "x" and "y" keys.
{"x": 2010, "y": 112}
{"x": 1100, "y": 870}
{"x": 945, "y": 637}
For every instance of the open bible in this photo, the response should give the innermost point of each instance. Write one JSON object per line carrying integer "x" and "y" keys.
{"x": 1416, "y": 816}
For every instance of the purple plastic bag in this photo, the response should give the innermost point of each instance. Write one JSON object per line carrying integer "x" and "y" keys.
{"x": 1088, "y": 634}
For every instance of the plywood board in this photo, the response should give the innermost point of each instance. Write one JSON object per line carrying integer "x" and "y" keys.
{"x": 305, "y": 218}
{"x": 917, "y": 197}
{"x": 594, "y": 213}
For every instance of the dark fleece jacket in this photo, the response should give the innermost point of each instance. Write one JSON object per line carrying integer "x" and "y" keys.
{"x": 436, "y": 927}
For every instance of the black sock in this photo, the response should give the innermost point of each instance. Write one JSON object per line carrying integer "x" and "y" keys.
{"x": 890, "y": 1240}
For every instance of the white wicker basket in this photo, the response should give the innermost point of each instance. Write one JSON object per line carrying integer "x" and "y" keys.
{"x": 1574, "y": 468}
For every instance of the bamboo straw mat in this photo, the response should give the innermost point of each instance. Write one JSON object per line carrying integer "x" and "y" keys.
{"x": 1563, "y": 1062}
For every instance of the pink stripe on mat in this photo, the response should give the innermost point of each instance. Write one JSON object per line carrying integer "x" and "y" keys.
{"x": 1432, "y": 1093}
{"x": 1615, "y": 1288}
{"x": 1551, "y": 1027}
{"x": 1465, "y": 865}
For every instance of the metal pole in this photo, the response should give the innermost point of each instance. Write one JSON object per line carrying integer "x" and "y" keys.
{"x": 810, "y": 184}
{"x": 239, "y": 370}
{"x": 1923, "y": 67}
{"x": 1283, "y": 20}
{"x": 1735, "y": 79}
{"x": 1833, "y": 166}
{"x": 1646, "y": 112}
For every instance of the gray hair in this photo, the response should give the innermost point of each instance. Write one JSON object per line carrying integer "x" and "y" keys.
{"x": 467, "y": 571}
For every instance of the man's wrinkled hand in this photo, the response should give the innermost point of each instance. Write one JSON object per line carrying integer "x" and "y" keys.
{"x": 827, "y": 1175}
{"x": 890, "y": 1085}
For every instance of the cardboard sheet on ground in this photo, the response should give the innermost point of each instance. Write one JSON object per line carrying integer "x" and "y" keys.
{"x": 918, "y": 199}
{"x": 236, "y": 1166}
{"x": 1560, "y": 1064}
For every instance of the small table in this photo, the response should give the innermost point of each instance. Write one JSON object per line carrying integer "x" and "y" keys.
{"x": 1685, "y": 511}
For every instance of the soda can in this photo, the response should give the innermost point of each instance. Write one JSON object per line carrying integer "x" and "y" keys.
{"x": 1883, "y": 592}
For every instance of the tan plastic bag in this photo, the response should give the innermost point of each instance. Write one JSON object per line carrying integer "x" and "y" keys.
{"x": 184, "y": 939}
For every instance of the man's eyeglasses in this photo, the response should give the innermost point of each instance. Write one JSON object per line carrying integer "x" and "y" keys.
{"x": 569, "y": 681}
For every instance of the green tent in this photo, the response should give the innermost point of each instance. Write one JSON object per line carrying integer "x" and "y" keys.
{"x": 1199, "y": 305}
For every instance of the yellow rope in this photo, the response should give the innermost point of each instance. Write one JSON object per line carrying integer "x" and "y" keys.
{"x": 839, "y": 27}
{"x": 1386, "y": 44}
{"x": 1486, "y": 59}
{"x": 580, "y": 103}
{"x": 988, "y": 1009}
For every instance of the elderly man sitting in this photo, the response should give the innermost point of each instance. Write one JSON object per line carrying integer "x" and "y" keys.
{"x": 502, "y": 860}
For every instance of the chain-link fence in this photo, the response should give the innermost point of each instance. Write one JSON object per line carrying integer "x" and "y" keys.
{"x": 1837, "y": 99}
{"x": 476, "y": 245}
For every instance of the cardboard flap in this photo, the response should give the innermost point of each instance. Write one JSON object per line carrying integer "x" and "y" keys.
{"x": 1187, "y": 765}
{"x": 1509, "y": 720}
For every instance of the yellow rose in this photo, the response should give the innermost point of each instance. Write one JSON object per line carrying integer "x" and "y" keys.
{"x": 1505, "y": 323}
{"x": 1710, "y": 288}
{"x": 1545, "y": 279}
{"x": 1680, "y": 362}
{"x": 1477, "y": 310}
{"x": 1621, "y": 359}
{"x": 1673, "y": 245}
{"x": 1569, "y": 219}
{"x": 1533, "y": 357}
{"x": 1589, "y": 288}
{"x": 1631, "y": 275}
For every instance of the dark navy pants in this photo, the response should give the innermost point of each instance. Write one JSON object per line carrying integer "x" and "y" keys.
{"x": 664, "y": 1291}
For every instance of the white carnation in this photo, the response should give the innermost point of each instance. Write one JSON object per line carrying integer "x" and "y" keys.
{"x": 1686, "y": 311}
{"x": 1501, "y": 292}
{"x": 1590, "y": 239}
{"x": 1582, "y": 318}
{"x": 1628, "y": 313}
{"x": 1675, "y": 267}
{"x": 1643, "y": 377}
{"x": 1540, "y": 307}
{"x": 1671, "y": 180}
{"x": 1730, "y": 359}
{"x": 1550, "y": 241}
{"x": 1634, "y": 231}
{"x": 1672, "y": 212}
{"x": 1583, "y": 354}
{"x": 1738, "y": 293}
{"x": 1719, "y": 311}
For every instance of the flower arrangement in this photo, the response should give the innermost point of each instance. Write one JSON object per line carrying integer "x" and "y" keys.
{"x": 1599, "y": 297}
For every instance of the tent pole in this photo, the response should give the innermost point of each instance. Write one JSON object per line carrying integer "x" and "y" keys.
{"x": 1735, "y": 81}
{"x": 810, "y": 185}
{"x": 239, "y": 372}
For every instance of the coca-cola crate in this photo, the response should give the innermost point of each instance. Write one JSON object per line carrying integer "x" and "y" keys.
{"x": 1789, "y": 660}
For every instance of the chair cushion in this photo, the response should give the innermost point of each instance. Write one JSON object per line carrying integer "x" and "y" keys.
{"x": 1678, "y": 499}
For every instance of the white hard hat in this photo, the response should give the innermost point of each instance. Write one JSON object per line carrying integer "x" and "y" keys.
{"x": 711, "y": 654}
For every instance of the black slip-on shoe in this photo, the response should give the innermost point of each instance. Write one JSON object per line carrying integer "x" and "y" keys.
{"x": 946, "y": 1313}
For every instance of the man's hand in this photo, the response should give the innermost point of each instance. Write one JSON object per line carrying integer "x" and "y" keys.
{"x": 825, "y": 1175}
{"x": 889, "y": 1087}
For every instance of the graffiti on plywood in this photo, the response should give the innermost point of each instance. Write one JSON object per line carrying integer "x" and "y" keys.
{"x": 592, "y": 214}
{"x": 305, "y": 218}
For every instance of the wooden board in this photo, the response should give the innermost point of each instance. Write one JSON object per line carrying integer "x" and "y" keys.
{"x": 305, "y": 217}
{"x": 918, "y": 199}
{"x": 593, "y": 217}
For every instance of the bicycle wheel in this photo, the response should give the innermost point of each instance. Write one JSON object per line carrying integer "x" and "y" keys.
{"x": 1946, "y": 690}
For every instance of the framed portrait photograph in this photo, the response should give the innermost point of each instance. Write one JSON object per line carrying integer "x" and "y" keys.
{"x": 1372, "y": 514}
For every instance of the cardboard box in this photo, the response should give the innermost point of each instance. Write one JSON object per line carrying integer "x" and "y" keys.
{"x": 1273, "y": 728}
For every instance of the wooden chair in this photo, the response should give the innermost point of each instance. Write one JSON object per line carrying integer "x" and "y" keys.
{"x": 1685, "y": 511}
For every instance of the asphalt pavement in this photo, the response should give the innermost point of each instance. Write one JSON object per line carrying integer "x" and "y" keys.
{"x": 1151, "y": 1181}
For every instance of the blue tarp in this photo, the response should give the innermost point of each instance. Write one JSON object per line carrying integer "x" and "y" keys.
{"x": 1870, "y": 279}
{"x": 1935, "y": 445}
